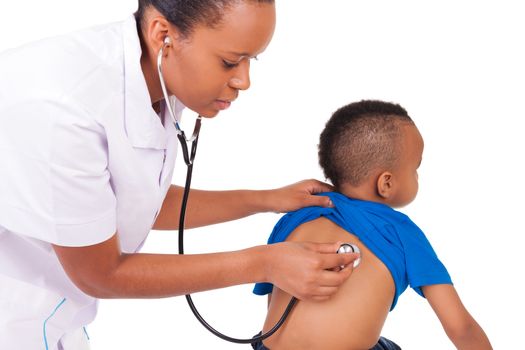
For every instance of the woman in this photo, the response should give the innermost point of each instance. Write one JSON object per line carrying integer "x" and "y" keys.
{"x": 89, "y": 152}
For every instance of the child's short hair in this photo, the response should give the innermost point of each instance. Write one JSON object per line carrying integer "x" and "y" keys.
{"x": 360, "y": 138}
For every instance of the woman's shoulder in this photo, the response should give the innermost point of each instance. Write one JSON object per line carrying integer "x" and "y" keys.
{"x": 61, "y": 65}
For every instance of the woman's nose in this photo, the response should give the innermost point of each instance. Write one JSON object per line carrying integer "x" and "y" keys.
{"x": 241, "y": 79}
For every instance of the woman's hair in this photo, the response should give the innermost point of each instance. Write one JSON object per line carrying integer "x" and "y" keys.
{"x": 360, "y": 138}
{"x": 185, "y": 14}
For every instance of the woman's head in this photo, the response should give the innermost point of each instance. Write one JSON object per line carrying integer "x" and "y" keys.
{"x": 186, "y": 14}
{"x": 213, "y": 41}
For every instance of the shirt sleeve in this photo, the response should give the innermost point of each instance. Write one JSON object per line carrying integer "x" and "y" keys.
{"x": 422, "y": 263}
{"x": 56, "y": 180}
{"x": 262, "y": 288}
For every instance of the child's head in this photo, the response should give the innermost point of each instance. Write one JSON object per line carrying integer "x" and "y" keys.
{"x": 371, "y": 150}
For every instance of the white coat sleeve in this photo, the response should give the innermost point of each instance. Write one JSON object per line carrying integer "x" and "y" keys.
{"x": 54, "y": 180}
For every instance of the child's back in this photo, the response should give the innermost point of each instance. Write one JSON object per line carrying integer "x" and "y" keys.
{"x": 352, "y": 318}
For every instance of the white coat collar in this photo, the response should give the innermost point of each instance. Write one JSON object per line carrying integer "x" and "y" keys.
{"x": 143, "y": 126}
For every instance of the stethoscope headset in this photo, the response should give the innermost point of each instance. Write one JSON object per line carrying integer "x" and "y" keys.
{"x": 189, "y": 157}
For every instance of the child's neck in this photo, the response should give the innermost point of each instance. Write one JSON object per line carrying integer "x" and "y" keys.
{"x": 365, "y": 191}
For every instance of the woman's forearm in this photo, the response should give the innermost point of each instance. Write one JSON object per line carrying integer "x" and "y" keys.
{"x": 208, "y": 207}
{"x": 157, "y": 276}
{"x": 103, "y": 271}
{"x": 114, "y": 275}
{"x": 213, "y": 207}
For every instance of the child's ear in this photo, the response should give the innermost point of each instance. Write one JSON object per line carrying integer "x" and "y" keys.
{"x": 385, "y": 185}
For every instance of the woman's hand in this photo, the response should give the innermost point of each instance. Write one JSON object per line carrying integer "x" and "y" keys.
{"x": 308, "y": 270}
{"x": 296, "y": 196}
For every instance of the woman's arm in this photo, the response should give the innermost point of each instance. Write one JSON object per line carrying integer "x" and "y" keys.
{"x": 212, "y": 207}
{"x": 103, "y": 271}
{"x": 459, "y": 325}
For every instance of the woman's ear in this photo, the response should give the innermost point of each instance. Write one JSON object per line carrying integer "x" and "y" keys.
{"x": 157, "y": 30}
{"x": 385, "y": 185}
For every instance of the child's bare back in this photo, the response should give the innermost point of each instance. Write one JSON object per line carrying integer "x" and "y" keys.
{"x": 352, "y": 318}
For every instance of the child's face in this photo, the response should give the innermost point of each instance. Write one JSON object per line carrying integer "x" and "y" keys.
{"x": 406, "y": 172}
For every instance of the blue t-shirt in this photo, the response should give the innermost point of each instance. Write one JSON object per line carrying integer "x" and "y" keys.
{"x": 389, "y": 234}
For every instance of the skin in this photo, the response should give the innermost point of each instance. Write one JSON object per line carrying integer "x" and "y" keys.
{"x": 360, "y": 307}
{"x": 207, "y": 70}
{"x": 302, "y": 269}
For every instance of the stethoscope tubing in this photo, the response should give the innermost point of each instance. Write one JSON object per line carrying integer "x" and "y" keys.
{"x": 189, "y": 157}
{"x": 189, "y": 299}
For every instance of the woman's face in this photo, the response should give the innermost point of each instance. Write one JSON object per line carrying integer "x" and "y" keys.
{"x": 206, "y": 70}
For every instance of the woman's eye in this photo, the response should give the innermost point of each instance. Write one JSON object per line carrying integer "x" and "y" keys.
{"x": 229, "y": 65}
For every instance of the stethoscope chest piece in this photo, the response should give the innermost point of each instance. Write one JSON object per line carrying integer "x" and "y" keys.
{"x": 350, "y": 248}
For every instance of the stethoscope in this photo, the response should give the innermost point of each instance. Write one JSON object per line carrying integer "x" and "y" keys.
{"x": 189, "y": 157}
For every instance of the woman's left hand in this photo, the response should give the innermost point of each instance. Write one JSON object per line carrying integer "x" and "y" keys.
{"x": 298, "y": 195}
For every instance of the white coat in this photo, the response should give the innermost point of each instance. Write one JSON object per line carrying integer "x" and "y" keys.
{"x": 83, "y": 155}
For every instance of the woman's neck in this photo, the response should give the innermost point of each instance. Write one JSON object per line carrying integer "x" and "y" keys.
{"x": 148, "y": 64}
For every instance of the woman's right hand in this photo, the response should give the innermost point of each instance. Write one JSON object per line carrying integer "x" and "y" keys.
{"x": 308, "y": 271}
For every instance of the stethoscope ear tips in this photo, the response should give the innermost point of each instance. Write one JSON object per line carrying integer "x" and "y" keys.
{"x": 167, "y": 40}
{"x": 350, "y": 248}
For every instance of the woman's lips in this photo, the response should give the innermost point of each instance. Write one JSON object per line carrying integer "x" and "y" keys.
{"x": 222, "y": 104}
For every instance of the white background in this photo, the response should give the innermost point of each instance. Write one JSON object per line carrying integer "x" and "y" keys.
{"x": 457, "y": 67}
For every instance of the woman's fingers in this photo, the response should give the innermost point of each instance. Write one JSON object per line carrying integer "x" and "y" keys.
{"x": 328, "y": 278}
{"x": 313, "y": 187}
{"x": 317, "y": 201}
{"x": 328, "y": 283}
{"x": 330, "y": 258}
{"x": 332, "y": 261}
{"x": 299, "y": 195}
{"x": 304, "y": 269}
{"x": 316, "y": 186}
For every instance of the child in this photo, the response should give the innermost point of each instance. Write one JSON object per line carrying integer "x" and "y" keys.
{"x": 371, "y": 151}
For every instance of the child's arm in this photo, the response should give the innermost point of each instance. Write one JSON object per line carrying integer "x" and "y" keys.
{"x": 459, "y": 325}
